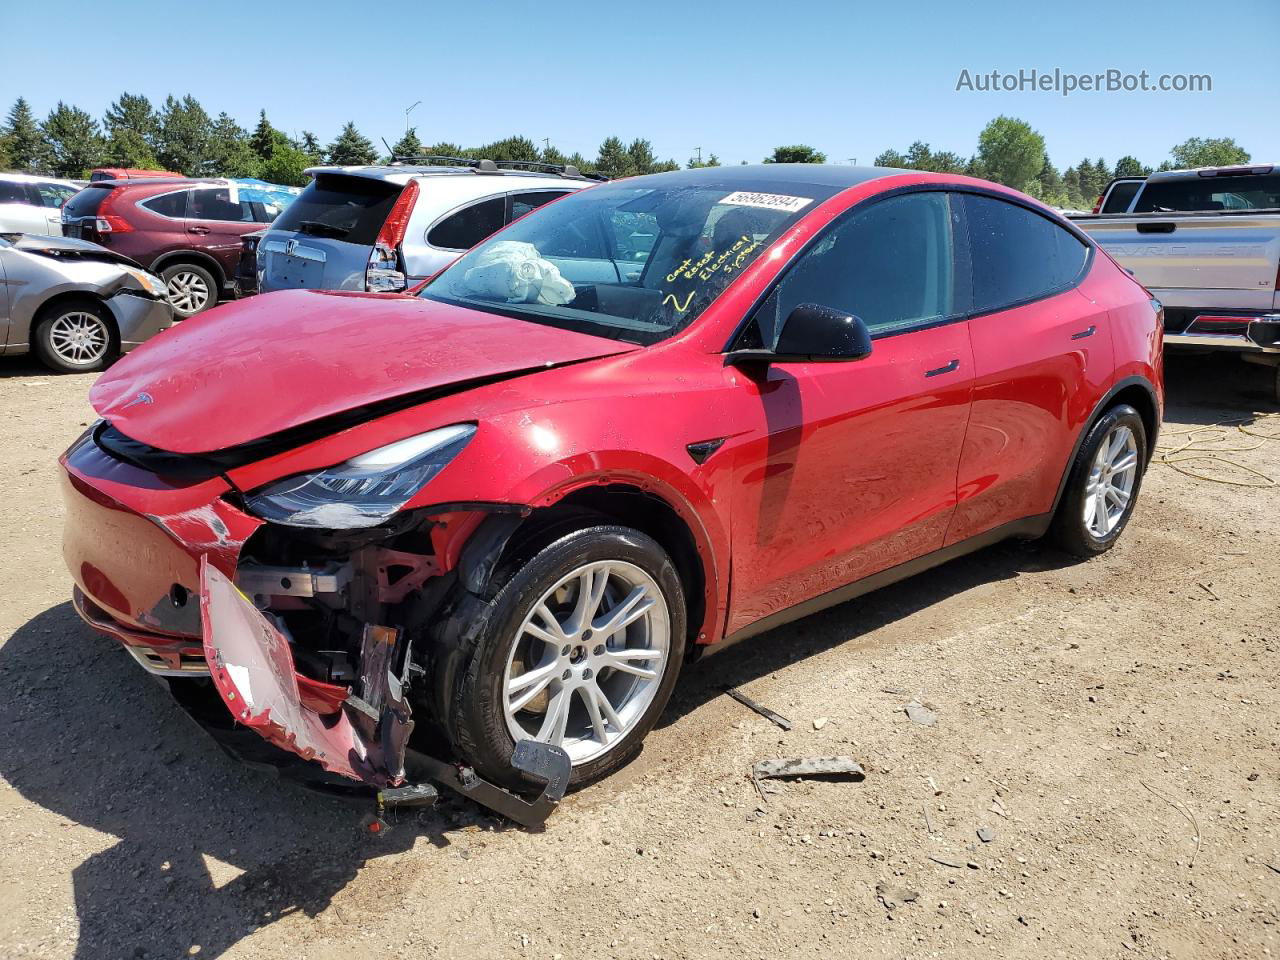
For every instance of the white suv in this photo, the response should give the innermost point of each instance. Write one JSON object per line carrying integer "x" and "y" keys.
{"x": 31, "y": 204}
{"x": 385, "y": 228}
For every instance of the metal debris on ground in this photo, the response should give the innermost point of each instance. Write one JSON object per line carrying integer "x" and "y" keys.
{"x": 759, "y": 708}
{"x": 986, "y": 834}
{"x": 928, "y": 821}
{"x": 920, "y": 714}
{"x": 894, "y": 897}
{"x": 943, "y": 861}
{"x": 806, "y": 767}
{"x": 997, "y": 807}
{"x": 896, "y": 691}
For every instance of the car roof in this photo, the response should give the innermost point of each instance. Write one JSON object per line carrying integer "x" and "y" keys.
{"x": 761, "y": 176}
{"x": 35, "y": 178}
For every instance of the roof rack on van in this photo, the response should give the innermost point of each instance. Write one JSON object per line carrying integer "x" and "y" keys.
{"x": 499, "y": 166}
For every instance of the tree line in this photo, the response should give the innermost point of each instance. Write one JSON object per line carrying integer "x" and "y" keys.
{"x": 180, "y": 135}
{"x": 1011, "y": 152}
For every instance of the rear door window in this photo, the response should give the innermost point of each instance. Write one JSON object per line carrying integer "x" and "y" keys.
{"x": 54, "y": 194}
{"x": 1121, "y": 196}
{"x": 216, "y": 203}
{"x": 341, "y": 207}
{"x": 11, "y": 192}
{"x": 522, "y": 203}
{"x": 1018, "y": 255}
{"x": 1248, "y": 192}
{"x": 172, "y": 205}
{"x": 467, "y": 227}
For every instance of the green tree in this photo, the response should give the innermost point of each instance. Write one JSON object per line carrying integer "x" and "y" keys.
{"x": 613, "y": 160}
{"x": 797, "y": 153}
{"x": 183, "y": 143}
{"x": 1010, "y": 151}
{"x": 1071, "y": 188}
{"x": 1208, "y": 152}
{"x": 1131, "y": 167}
{"x": 352, "y": 148}
{"x": 263, "y": 141}
{"x": 287, "y": 166}
{"x": 409, "y": 145}
{"x": 131, "y": 127}
{"x": 641, "y": 156}
{"x": 74, "y": 139}
{"x": 891, "y": 158}
{"x": 711, "y": 161}
{"x": 576, "y": 159}
{"x": 27, "y": 147}
{"x": 550, "y": 154}
{"x": 510, "y": 148}
{"x": 310, "y": 145}
{"x": 231, "y": 153}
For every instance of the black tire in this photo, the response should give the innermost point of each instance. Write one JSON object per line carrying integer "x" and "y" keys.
{"x": 51, "y": 323}
{"x": 183, "y": 280}
{"x": 1069, "y": 530}
{"x": 472, "y": 713}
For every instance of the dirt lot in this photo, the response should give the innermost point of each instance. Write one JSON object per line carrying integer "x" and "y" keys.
{"x": 1114, "y": 723}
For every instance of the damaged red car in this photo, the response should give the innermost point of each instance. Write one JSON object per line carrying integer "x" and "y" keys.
{"x": 649, "y": 417}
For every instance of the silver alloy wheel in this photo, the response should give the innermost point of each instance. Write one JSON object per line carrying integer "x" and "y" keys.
{"x": 588, "y": 659}
{"x": 79, "y": 337}
{"x": 188, "y": 292}
{"x": 1112, "y": 478}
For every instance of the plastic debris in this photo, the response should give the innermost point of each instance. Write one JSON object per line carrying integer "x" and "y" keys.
{"x": 759, "y": 708}
{"x": 920, "y": 714}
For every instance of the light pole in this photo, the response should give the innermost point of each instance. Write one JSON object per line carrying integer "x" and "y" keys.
{"x": 407, "y": 111}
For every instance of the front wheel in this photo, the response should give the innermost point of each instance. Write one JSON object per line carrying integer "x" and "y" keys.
{"x": 580, "y": 647}
{"x": 75, "y": 336}
{"x": 1103, "y": 485}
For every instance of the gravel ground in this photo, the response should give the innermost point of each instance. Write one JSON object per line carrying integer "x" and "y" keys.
{"x": 1113, "y": 724}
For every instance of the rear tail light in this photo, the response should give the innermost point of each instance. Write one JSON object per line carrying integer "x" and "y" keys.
{"x": 1097, "y": 204}
{"x": 107, "y": 222}
{"x": 385, "y": 272}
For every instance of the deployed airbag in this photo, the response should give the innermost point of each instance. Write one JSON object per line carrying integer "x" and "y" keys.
{"x": 515, "y": 272}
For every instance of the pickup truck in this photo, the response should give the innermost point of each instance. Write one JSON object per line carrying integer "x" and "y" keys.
{"x": 1206, "y": 243}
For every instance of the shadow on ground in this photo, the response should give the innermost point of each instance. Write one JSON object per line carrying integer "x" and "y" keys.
{"x": 94, "y": 739}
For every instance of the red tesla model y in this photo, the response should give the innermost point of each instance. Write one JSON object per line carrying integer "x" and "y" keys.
{"x": 656, "y": 414}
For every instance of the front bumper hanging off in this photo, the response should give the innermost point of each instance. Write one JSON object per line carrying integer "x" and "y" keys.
{"x": 360, "y": 736}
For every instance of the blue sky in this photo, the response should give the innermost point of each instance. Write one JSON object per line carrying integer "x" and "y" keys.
{"x": 733, "y": 78}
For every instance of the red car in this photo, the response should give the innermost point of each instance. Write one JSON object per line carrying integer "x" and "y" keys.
{"x": 186, "y": 231}
{"x": 649, "y": 417}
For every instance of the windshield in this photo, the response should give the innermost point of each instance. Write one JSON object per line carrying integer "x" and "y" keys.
{"x": 627, "y": 261}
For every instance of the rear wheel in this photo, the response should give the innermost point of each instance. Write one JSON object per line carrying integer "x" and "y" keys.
{"x": 191, "y": 288}
{"x": 580, "y": 647}
{"x": 1103, "y": 486}
{"x": 75, "y": 336}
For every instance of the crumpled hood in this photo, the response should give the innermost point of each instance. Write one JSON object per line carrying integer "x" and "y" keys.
{"x": 253, "y": 369}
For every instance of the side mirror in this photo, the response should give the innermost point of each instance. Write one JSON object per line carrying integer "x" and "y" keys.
{"x": 813, "y": 333}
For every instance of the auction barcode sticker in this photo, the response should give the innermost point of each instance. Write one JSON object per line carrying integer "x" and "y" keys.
{"x": 769, "y": 201}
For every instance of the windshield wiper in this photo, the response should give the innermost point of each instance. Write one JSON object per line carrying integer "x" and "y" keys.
{"x": 317, "y": 229}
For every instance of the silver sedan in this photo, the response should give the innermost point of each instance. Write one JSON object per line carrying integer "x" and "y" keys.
{"x": 76, "y": 304}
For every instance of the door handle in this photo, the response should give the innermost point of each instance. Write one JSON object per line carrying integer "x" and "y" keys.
{"x": 950, "y": 367}
{"x": 201, "y": 230}
{"x": 1081, "y": 334}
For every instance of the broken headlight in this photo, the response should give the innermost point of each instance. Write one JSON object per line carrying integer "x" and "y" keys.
{"x": 365, "y": 490}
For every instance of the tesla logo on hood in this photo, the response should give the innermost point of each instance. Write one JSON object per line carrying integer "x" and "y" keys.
{"x": 143, "y": 398}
